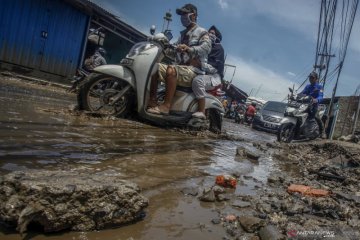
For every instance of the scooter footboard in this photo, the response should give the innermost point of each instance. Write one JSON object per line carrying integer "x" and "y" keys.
{"x": 288, "y": 120}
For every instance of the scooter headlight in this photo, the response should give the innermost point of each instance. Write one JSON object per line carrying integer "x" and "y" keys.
{"x": 138, "y": 48}
{"x": 302, "y": 107}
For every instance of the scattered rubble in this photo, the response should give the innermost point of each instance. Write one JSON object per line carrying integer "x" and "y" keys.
{"x": 246, "y": 153}
{"x": 316, "y": 190}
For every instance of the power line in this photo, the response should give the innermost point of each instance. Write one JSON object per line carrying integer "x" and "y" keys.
{"x": 346, "y": 27}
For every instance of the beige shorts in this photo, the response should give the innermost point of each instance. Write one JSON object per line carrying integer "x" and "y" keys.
{"x": 184, "y": 74}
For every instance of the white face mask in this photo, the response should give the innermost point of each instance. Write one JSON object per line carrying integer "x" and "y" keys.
{"x": 185, "y": 19}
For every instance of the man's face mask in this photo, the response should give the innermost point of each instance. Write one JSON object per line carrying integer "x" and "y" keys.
{"x": 185, "y": 19}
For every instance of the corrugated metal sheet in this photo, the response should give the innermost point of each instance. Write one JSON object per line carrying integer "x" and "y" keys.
{"x": 46, "y": 35}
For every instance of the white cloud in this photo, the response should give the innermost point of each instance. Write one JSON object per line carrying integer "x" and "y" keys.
{"x": 251, "y": 76}
{"x": 223, "y": 4}
{"x": 296, "y": 15}
{"x": 291, "y": 74}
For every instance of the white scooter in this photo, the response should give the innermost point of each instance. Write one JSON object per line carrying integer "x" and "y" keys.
{"x": 120, "y": 90}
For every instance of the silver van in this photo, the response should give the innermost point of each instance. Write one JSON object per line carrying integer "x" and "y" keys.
{"x": 268, "y": 118}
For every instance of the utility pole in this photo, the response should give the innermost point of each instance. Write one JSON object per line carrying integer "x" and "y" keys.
{"x": 357, "y": 111}
{"x": 167, "y": 20}
{"x": 258, "y": 90}
{"x": 324, "y": 66}
{"x": 331, "y": 105}
{"x": 251, "y": 91}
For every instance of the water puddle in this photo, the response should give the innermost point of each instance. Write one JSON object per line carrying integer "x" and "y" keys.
{"x": 37, "y": 131}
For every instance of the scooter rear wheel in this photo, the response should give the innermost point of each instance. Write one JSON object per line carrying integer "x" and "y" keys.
{"x": 215, "y": 119}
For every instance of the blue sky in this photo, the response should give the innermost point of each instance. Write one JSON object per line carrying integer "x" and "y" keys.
{"x": 271, "y": 42}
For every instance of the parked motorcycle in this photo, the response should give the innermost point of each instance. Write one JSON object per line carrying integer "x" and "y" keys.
{"x": 79, "y": 77}
{"x": 121, "y": 90}
{"x": 295, "y": 125}
{"x": 249, "y": 119}
{"x": 240, "y": 116}
{"x": 230, "y": 114}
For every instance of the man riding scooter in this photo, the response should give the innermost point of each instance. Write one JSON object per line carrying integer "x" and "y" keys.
{"x": 193, "y": 48}
{"x": 315, "y": 91}
{"x": 123, "y": 89}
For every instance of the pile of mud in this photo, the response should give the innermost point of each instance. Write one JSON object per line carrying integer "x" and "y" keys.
{"x": 68, "y": 200}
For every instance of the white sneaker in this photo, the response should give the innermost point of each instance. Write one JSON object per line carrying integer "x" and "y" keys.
{"x": 199, "y": 115}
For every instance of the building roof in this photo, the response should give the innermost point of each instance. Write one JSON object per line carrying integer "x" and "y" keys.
{"x": 110, "y": 21}
{"x": 235, "y": 92}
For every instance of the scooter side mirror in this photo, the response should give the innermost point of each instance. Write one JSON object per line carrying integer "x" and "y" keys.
{"x": 168, "y": 34}
{"x": 152, "y": 29}
{"x": 291, "y": 90}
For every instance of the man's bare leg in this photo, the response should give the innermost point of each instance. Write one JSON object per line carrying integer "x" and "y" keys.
{"x": 201, "y": 105}
{"x": 153, "y": 91}
{"x": 170, "y": 88}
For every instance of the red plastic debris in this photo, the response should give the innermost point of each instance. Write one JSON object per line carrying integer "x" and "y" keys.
{"x": 226, "y": 181}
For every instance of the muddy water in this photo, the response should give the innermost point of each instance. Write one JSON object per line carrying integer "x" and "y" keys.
{"x": 37, "y": 131}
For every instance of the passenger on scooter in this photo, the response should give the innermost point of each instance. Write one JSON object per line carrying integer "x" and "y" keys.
{"x": 203, "y": 83}
{"x": 193, "y": 48}
{"x": 315, "y": 91}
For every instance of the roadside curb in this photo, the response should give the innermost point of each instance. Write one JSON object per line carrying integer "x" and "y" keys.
{"x": 35, "y": 80}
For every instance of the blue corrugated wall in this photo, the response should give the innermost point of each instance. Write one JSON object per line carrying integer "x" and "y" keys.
{"x": 46, "y": 35}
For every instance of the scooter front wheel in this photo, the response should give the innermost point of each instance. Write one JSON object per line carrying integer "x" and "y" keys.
{"x": 106, "y": 95}
{"x": 286, "y": 133}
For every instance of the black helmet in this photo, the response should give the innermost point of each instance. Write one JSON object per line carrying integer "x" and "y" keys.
{"x": 253, "y": 103}
{"x": 313, "y": 75}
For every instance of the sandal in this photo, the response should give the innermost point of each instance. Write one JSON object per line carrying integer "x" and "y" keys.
{"x": 156, "y": 110}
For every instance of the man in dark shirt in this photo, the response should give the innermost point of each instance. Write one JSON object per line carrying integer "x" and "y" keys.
{"x": 211, "y": 80}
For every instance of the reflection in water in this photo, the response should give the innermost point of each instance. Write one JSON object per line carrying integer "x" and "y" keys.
{"x": 37, "y": 132}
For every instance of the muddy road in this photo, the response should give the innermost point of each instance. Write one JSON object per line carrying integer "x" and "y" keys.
{"x": 38, "y": 130}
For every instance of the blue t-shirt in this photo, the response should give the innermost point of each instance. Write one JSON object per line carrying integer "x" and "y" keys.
{"x": 315, "y": 91}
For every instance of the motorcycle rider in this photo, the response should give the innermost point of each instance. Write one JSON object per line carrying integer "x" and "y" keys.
{"x": 193, "y": 48}
{"x": 250, "y": 111}
{"x": 97, "y": 59}
{"x": 202, "y": 83}
{"x": 316, "y": 92}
